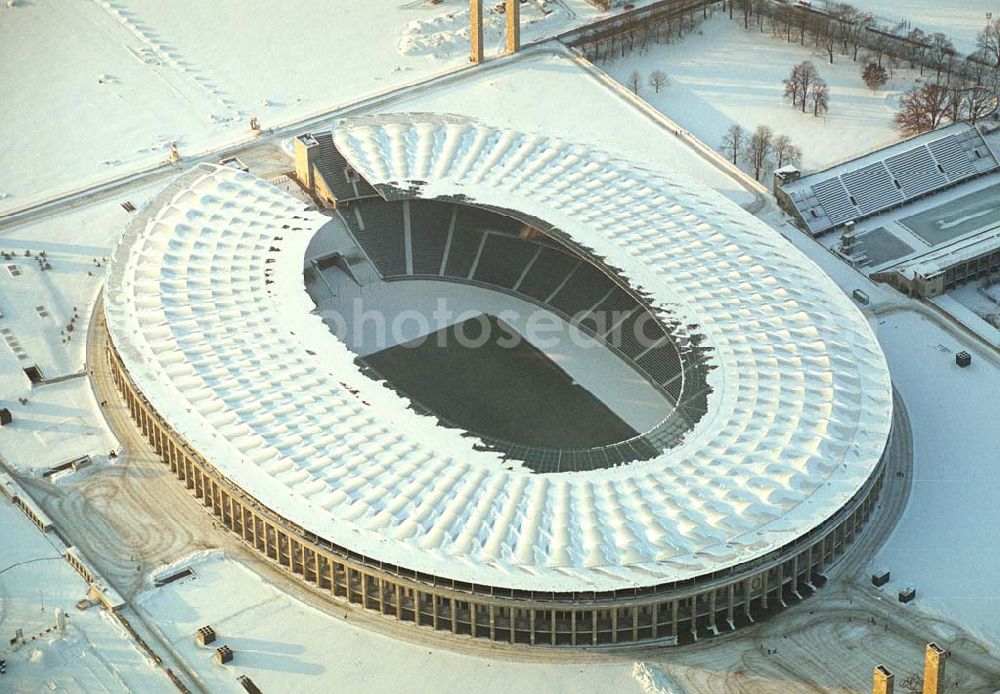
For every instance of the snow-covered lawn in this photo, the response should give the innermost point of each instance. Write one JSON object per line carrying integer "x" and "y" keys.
{"x": 97, "y": 88}
{"x": 962, "y": 20}
{"x": 94, "y": 655}
{"x": 945, "y": 544}
{"x": 285, "y": 645}
{"x": 725, "y": 75}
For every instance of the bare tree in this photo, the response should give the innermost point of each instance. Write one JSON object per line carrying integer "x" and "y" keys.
{"x": 922, "y": 108}
{"x": 874, "y": 75}
{"x": 918, "y": 42}
{"x": 806, "y": 75}
{"x": 941, "y": 52}
{"x": 785, "y": 152}
{"x": 633, "y": 81}
{"x": 988, "y": 42}
{"x": 733, "y": 142}
{"x": 854, "y": 27}
{"x": 758, "y": 150}
{"x": 798, "y": 83}
{"x": 976, "y": 102}
{"x": 746, "y": 7}
{"x": 825, "y": 31}
{"x": 819, "y": 95}
{"x": 658, "y": 79}
{"x": 912, "y": 683}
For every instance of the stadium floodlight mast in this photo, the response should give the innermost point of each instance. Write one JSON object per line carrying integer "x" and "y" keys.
{"x": 512, "y": 12}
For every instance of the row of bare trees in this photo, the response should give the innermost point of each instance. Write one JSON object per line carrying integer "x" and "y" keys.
{"x": 638, "y": 32}
{"x": 761, "y": 151}
{"x": 931, "y": 105}
{"x": 846, "y": 30}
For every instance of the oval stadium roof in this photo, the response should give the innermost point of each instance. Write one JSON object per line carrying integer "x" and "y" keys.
{"x": 206, "y": 306}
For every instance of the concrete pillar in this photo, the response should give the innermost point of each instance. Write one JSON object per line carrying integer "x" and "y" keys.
{"x": 795, "y": 577}
{"x": 476, "y": 31}
{"x": 434, "y": 611}
{"x": 531, "y": 621}
{"x": 934, "y": 657}
{"x": 884, "y": 681}
{"x": 730, "y": 607}
{"x": 711, "y": 610}
{"x": 635, "y": 623}
{"x": 513, "y": 13}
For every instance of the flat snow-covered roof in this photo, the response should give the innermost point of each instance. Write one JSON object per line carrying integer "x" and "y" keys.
{"x": 206, "y": 305}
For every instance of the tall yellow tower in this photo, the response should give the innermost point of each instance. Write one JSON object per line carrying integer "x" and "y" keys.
{"x": 513, "y": 13}
{"x": 476, "y": 30}
{"x": 884, "y": 681}
{"x": 934, "y": 657}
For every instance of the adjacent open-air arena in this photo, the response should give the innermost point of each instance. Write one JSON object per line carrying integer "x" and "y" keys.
{"x": 762, "y": 465}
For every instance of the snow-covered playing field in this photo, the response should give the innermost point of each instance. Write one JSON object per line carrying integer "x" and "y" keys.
{"x": 724, "y": 75}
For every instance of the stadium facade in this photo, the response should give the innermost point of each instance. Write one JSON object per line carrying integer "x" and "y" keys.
{"x": 265, "y": 416}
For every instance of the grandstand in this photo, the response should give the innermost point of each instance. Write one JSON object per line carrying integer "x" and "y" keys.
{"x": 885, "y": 179}
{"x": 449, "y": 241}
{"x": 322, "y": 170}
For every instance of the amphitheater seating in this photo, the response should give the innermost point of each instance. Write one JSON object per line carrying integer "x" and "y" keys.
{"x": 549, "y": 270}
{"x": 582, "y": 291}
{"x": 916, "y": 171}
{"x": 378, "y": 229}
{"x": 462, "y": 253}
{"x": 872, "y": 188}
{"x": 334, "y": 169}
{"x": 877, "y": 182}
{"x": 484, "y": 247}
{"x": 503, "y": 259}
{"x": 429, "y": 224}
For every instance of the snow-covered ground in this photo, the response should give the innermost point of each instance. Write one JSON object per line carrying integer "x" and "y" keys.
{"x": 103, "y": 87}
{"x": 961, "y": 20}
{"x": 533, "y": 94}
{"x": 945, "y": 543}
{"x": 75, "y": 245}
{"x": 60, "y": 421}
{"x": 283, "y": 644}
{"x": 94, "y": 655}
{"x": 724, "y": 75}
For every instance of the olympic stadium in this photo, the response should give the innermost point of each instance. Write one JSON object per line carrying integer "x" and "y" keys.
{"x": 702, "y": 438}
